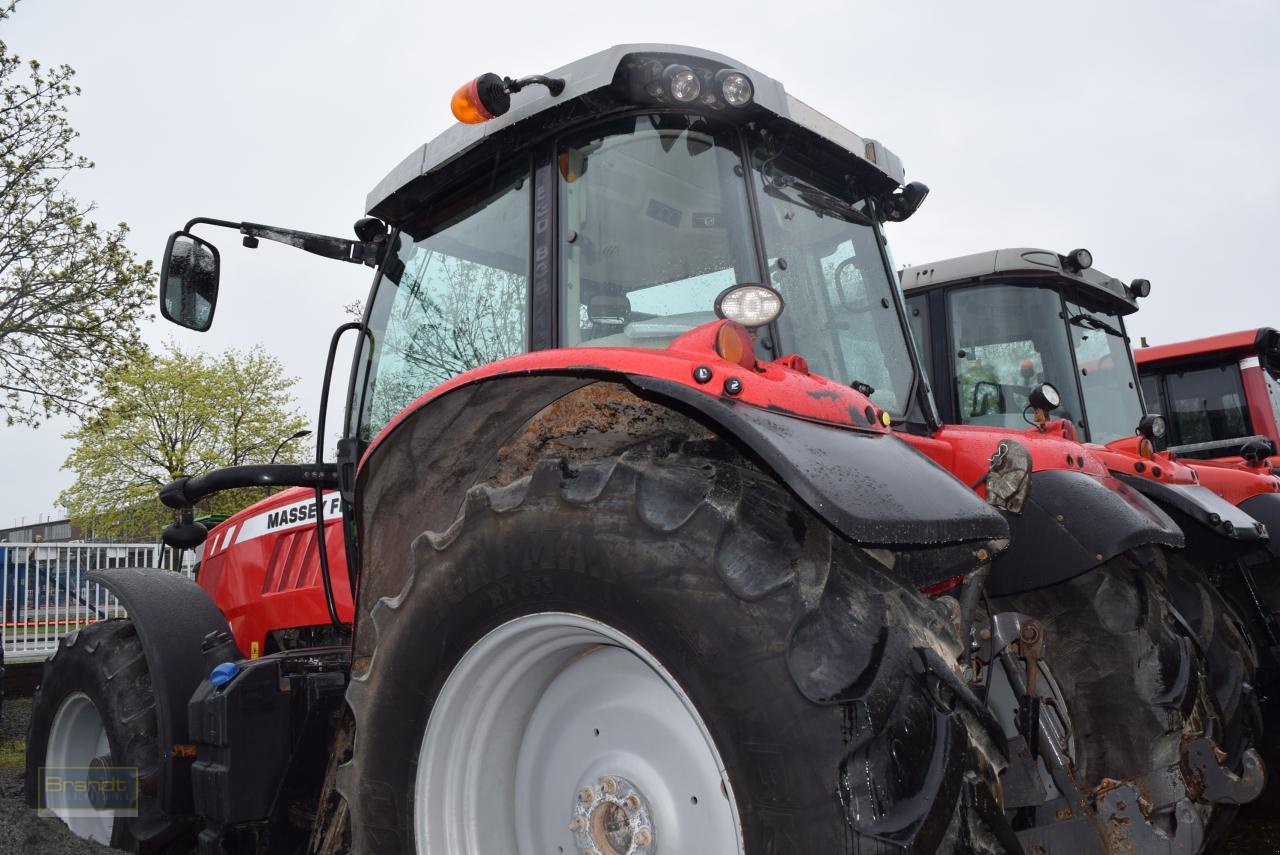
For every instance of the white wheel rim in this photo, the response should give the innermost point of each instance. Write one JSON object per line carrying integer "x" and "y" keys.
{"x": 76, "y": 737}
{"x": 546, "y": 707}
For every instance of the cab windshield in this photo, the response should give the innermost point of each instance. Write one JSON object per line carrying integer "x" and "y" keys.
{"x": 824, "y": 258}
{"x": 1010, "y": 338}
{"x": 654, "y": 224}
{"x": 1111, "y": 398}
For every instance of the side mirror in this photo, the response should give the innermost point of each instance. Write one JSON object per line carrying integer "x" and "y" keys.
{"x": 189, "y": 281}
{"x": 905, "y": 201}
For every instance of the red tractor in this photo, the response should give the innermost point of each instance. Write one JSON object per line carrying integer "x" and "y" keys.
{"x": 1015, "y": 335}
{"x": 1220, "y": 395}
{"x": 628, "y": 577}
{"x": 637, "y": 561}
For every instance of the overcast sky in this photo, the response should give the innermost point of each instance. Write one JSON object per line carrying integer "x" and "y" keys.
{"x": 1146, "y": 132}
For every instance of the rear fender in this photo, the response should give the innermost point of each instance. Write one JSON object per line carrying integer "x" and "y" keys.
{"x": 1071, "y": 523}
{"x": 172, "y": 615}
{"x": 867, "y": 485}
{"x": 1215, "y": 529}
{"x": 1266, "y": 510}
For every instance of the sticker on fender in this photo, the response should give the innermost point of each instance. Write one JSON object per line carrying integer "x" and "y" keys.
{"x": 289, "y": 516}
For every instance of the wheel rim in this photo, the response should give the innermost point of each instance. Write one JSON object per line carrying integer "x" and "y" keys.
{"x": 76, "y": 739}
{"x": 556, "y": 734}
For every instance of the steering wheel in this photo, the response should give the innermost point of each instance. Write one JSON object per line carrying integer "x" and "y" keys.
{"x": 999, "y": 389}
{"x": 838, "y": 275}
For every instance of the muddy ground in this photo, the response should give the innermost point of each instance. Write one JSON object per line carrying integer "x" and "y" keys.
{"x": 22, "y": 830}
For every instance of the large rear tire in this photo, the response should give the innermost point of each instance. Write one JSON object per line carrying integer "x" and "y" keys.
{"x": 1245, "y": 601}
{"x": 1229, "y": 654}
{"x": 95, "y": 705}
{"x": 1133, "y": 681}
{"x": 642, "y": 627}
{"x": 1137, "y": 691}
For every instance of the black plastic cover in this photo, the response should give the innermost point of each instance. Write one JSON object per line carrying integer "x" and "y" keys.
{"x": 1071, "y": 523}
{"x": 243, "y": 735}
{"x": 172, "y": 615}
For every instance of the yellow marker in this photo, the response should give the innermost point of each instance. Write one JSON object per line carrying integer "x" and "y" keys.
{"x": 254, "y": 651}
{"x": 885, "y": 418}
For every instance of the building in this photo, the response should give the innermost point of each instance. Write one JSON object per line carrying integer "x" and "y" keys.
{"x": 50, "y": 531}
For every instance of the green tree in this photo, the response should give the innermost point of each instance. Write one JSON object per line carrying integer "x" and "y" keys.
{"x": 159, "y": 417}
{"x": 71, "y": 294}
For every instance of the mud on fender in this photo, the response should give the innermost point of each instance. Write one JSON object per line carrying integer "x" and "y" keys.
{"x": 1072, "y": 522}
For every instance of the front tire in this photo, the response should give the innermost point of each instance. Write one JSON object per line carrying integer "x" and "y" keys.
{"x": 637, "y": 621}
{"x": 95, "y": 705}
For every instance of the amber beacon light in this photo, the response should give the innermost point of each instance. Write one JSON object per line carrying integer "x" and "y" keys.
{"x": 489, "y": 96}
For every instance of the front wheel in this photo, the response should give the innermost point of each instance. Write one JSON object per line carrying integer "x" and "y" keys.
{"x": 95, "y": 711}
{"x": 609, "y": 659}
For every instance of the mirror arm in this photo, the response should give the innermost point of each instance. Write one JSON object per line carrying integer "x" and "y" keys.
{"x": 187, "y": 490}
{"x": 340, "y": 249}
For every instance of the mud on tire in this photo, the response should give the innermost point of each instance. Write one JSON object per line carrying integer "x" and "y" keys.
{"x": 825, "y": 685}
{"x": 1131, "y": 675}
{"x": 105, "y": 662}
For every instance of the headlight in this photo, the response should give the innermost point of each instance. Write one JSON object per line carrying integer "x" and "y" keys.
{"x": 1077, "y": 260}
{"x": 1155, "y": 428}
{"x": 1045, "y": 397}
{"x": 735, "y": 87}
{"x": 750, "y": 305}
{"x": 682, "y": 83}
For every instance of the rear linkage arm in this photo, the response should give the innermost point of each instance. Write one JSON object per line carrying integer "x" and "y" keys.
{"x": 368, "y": 250}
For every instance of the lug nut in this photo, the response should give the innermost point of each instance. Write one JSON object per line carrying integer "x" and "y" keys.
{"x": 642, "y": 837}
{"x": 585, "y": 795}
{"x": 633, "y": 802}
{"x": 609, "y": 785}
{"x": 576, "y": 824}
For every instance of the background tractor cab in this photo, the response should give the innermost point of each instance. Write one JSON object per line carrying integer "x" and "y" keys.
{"x": 995, "y": 326}
{"x": 604, "y": 529}
{"x": 1220, "y": 394}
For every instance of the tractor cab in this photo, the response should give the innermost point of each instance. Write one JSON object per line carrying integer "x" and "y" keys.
{"x": 1221, "y": 393}
{"x": 1013, "y": 332}
{"x": 621, "y": 201}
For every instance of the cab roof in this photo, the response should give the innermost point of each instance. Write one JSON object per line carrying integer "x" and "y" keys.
{"x": 1244, "y": 341}
{"x": 599, "y": 71}
{"x": 1016, "y": 262}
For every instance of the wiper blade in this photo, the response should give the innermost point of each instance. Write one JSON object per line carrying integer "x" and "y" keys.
{"x": 1090, "y": 322}
{"x": 818, "y": 201}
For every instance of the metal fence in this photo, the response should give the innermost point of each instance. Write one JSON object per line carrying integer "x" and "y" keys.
{"x": 44, "y": 592}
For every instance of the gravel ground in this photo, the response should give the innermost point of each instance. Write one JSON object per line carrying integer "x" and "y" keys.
{"x": 22, "y": 830}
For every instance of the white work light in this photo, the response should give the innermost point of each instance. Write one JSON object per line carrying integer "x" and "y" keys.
{"x": 750, "y": 305}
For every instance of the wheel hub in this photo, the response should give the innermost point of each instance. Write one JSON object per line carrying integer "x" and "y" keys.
{"x": 612, "y": 817}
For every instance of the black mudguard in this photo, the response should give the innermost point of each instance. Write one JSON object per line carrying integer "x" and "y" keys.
{"x": 1266, "y": 510}
{"x": 1071, "y": 523}
{"x": 1217, "y": 531}
{"x": 873, "y": 489}
{"x": 171, "y": 615}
